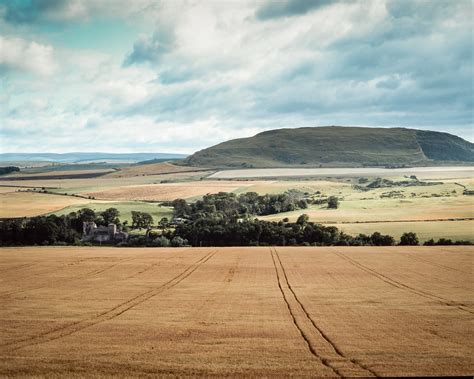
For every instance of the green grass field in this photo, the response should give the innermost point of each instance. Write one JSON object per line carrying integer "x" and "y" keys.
{"x": 425, "y": 230}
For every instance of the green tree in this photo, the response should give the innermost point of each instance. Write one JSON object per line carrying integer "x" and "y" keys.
{"x": 333, "y": 202}
{"x": 163, "y": 223}
{"x": 141, "y": 220}
{"x": 110, "y": 216}
{"x": 302, "y": 220}
{"x": 409, "y": 239}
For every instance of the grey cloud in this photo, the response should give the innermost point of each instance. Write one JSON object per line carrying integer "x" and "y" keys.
{"x": 29, "y": 11}
{"x": 150, "y": 49}
{"x": 288, "y": 8}
{"x": 427, "y": 9}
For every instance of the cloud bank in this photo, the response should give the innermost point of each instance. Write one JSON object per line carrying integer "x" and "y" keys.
{"x": 199, "y": 73}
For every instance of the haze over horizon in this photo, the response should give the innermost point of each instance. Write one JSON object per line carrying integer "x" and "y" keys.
{"x": 179, "y": 76}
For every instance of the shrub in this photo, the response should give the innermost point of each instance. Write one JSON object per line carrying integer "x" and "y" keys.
{"x": 161, "y": 242}
{"x": 409, "y": 239}
{"x": 333, "y": 202}
{"x": 179, "y": 242}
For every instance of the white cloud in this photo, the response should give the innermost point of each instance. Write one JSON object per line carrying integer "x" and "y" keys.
{"x": 212, "y": 71}
{"x": 19, "y": 54}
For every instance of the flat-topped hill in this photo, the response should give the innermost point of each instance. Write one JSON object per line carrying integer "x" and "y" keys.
{"x": 336, "y": 146}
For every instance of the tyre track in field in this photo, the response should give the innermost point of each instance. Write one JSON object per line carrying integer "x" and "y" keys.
{"x": 417, "y": 258}
{"x": 63, "y": 280}
{"x": 402, "y": 286}
{"x": 19, "y": 267}
{"x": 318, "y": 343}
{"x": 151, "y": 267}
{"x": 110, "y": 314}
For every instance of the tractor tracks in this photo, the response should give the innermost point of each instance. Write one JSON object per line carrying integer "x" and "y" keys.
{"x": 110, "y": 314}
{"x": 417, "y": 258}
{"x": 318, "y": 343}
{"x": 63, "y": 280}
{"x": 402, "y": 286}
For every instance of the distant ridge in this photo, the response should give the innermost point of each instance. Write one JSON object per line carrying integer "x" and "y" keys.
{"x": 80, "y": 157}
{"x": 333, "y": 146}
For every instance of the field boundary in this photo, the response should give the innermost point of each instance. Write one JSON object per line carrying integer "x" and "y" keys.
{"x": 109, "y": 314}
{"x": 393, "y": 221}
{"x": 319, "y": 344}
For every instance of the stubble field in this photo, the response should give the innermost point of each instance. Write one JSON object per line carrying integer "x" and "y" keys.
{"x": 236, "y": 311}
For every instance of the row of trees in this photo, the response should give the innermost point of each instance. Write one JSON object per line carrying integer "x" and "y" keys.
{"x": 8, "y": 170}
{"x": 216, "y": 220}
{"x": 209, "y": 231}
{"x": 231, "y": 206}
{"x": 66, "y": 229}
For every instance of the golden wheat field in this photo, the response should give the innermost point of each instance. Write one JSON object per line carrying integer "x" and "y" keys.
{"x": 26, "y": 204}
{"x": 307, "y": 312}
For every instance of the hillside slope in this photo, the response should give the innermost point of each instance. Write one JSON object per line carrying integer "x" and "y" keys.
{"x": 336, "y": 146}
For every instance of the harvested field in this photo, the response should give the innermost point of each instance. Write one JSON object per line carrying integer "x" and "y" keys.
{"x": 306, "y": 312}
{"x": 168, "y": 191}
{"x": 26, "y": 204}
{"x": 153, "y": 169}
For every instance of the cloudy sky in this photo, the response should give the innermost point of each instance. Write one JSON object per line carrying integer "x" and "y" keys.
{"x": 177, "y": 76}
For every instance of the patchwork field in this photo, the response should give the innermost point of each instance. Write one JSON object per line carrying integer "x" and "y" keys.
{"x": 154, "y": 169}
{"x": 59, "y": 174}
{"x": 268, "y": 312}
{"x": 425, "y": 230}
{"x": 422, "y": 172}
{"x": 169, "y": 191}
{"x": 440, "y": 197}
{"x": 25, "y": 204}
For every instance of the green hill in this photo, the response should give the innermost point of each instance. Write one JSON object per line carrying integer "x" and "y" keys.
{"x": 336, "y": 146}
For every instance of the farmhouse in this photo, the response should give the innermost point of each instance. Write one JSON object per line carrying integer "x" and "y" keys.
{"x": 110, "y": 233}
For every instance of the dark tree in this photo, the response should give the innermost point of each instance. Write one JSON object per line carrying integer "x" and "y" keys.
{"x": 302, "y": 220}
{"x": 141, "y": 220}
{"x": 333, "y": 202}
{"x": 110, "y": 216}
{"x": 409, "y": 239}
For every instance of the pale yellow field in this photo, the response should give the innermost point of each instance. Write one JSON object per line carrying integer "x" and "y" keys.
{"x": 421, "y": 172}
{"x": 255, "y": 312}
{"x": 25, "y": 204}
{"x": 417, "y": 209}
{"x": 152, "y": 169}
{"x": 8, "y": 189}
{"x": 169, "y": 191}
{"x": 455, "y": 230}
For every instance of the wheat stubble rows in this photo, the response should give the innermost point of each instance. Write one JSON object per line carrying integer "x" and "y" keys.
{"x": 236, "y": 311}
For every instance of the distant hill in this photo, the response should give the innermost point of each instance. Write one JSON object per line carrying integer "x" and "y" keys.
{"x": 86, "y": 157}
{"x": 333, "y": 146}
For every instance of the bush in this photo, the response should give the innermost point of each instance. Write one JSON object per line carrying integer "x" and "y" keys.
{"x": 378, "y": 239}
{"x": 161, "y": 242}
{"x": 333, "y": 202}
{"x": 179, "y": 242}
{"x": 409, "y": 239}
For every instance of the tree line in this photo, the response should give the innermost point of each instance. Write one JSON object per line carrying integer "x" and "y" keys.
{"x": 223, "y": 219}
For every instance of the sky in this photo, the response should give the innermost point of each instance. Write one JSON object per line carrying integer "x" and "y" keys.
{"x": 178, "y": 76}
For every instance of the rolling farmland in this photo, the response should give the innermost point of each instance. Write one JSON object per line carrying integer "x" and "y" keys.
{"x": 421, "y": 172}
{"x": 237, "y": 311}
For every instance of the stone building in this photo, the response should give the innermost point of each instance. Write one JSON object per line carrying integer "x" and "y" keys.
{"x": 93, "y": 233}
